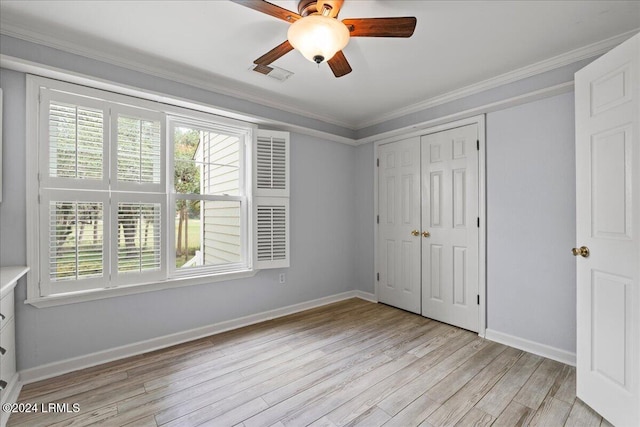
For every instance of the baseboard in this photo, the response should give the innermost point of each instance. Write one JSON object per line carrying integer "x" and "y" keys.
{"x": 69, "y": 365}
{"x": 367, "y": 296}
{"x": 532, "y": 347}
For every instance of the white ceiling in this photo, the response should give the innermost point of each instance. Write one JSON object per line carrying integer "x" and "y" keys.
{"x": 456, "y": 44}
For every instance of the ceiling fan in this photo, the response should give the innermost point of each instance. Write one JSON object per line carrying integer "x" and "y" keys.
{"x": 317, "y": 33}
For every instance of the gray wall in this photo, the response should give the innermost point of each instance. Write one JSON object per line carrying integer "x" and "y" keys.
{"x": 364, "y": 211}
{"x": 531, "y": 280}
{"x": 322, "y": 256}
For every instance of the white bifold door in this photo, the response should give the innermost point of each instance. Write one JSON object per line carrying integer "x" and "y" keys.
{"x": 450, "y": 227}
{"x": 428, "y": 225}
{"x": 608, "y": 234}
{"x": 399, "y": 224}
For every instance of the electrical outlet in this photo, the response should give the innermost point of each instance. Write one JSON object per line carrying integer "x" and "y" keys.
{"x": 282, "y": 278}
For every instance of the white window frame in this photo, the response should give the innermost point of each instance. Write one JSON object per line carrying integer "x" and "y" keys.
{"x": 35, "y": 294}
{"x": 245, "y": 136}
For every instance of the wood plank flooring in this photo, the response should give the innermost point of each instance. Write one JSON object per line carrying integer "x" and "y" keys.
{"x": 352, "y": 363}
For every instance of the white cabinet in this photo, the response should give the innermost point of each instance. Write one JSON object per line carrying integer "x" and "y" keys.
{"x": 9, "y": 384}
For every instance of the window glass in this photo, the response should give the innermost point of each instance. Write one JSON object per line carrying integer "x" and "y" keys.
{"x": 208, "y": 223}
{"x": 206, "y": 162}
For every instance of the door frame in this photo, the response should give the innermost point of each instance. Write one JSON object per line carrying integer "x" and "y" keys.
{"x": 479, "y": 120}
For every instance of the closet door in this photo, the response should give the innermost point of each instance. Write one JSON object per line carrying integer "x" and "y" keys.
{"x": 450, "y": 230}
{"x": 399, "y": 224}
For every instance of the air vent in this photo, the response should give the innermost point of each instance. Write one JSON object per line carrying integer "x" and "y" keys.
{"x": 276, "y": 73}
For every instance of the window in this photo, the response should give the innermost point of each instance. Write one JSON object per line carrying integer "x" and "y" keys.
{"x": 130, "y": 192}
{"x": 210, "y": 199}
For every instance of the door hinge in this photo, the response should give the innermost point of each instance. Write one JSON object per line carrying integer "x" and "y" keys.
{"x": 478, "y": 222}
{"x": 377, "y": 219}
{"x": 478, "y": 299}
{"x": 378, "y": 277}
{"x": 478, "y": 144}
{"x": 378, "y": 162}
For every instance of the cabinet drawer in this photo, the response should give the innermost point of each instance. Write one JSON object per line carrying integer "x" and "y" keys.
{"x": 6, "y": 309}
{"x": 8, "y": 359}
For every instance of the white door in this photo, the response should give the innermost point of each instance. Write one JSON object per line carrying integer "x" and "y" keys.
{"x": 450, "y": 227}
{"x": 608, "y": 225}
{"x": 399, "y": 224}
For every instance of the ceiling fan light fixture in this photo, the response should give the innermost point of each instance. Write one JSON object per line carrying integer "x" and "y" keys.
{"x": 318, "y": 37}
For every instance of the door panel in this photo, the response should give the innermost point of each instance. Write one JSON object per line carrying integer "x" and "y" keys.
{"x": 449, "y": 214}
{"x": 608, "y": 223}
{"x": 611, "y": 185}
{"x": 399, "y": 210}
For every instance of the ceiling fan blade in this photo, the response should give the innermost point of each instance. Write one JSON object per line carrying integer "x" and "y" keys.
{"x": 262, "y": 69}
{"x": 275, "y": 53}
{"x": 381, "y": 27}
{"x": 270, "y": 9}
{"x": 339, "y": 65}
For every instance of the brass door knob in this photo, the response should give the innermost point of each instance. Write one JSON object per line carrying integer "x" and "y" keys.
{"x": 426, "y": 234}
{"x": 583, "y": 251}
{"x": 415, "y": 233}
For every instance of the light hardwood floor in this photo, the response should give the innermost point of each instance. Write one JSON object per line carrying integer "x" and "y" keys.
{"x": 348, "y": 363}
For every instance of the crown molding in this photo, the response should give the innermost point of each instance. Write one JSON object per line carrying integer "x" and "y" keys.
{"x": 421, "y": 128}
{"x": 187, "y": 75}
{"x": 540, "y": 67}
{"x": 231, "y": 88}
{"x": 29, "y": 67}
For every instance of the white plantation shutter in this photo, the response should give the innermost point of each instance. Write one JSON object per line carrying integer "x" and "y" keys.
{"x": 74, "y": 247}
{"x": 138, "y": 203}
{"x": 272, "y": 164}
{"x": 271, "y": 207}
{"x": 92, "y": 236}
{"x": 272, "y": 232}
{"x": 137, "y": 149}
{"x": 74, "y": 131}
{"x": 75, "y": 135}
{"x": 73, "y": 256}
{"x": 138, "y": 247}
{"x": 139, "y": 238}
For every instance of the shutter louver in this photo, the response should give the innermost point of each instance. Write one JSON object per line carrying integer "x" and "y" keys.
{"x": 272, "y": 233}
{"x": 75, "y": 240}
{"x": 271, "y": 212}
{"x": 139, "y": 150}
{"x": 75, "y": 142}
{"x": 272, "y": 164}
{"x": 139, "y": 237}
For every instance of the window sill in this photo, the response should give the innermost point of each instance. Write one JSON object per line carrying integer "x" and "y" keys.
{"x": 96, "y": 294}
